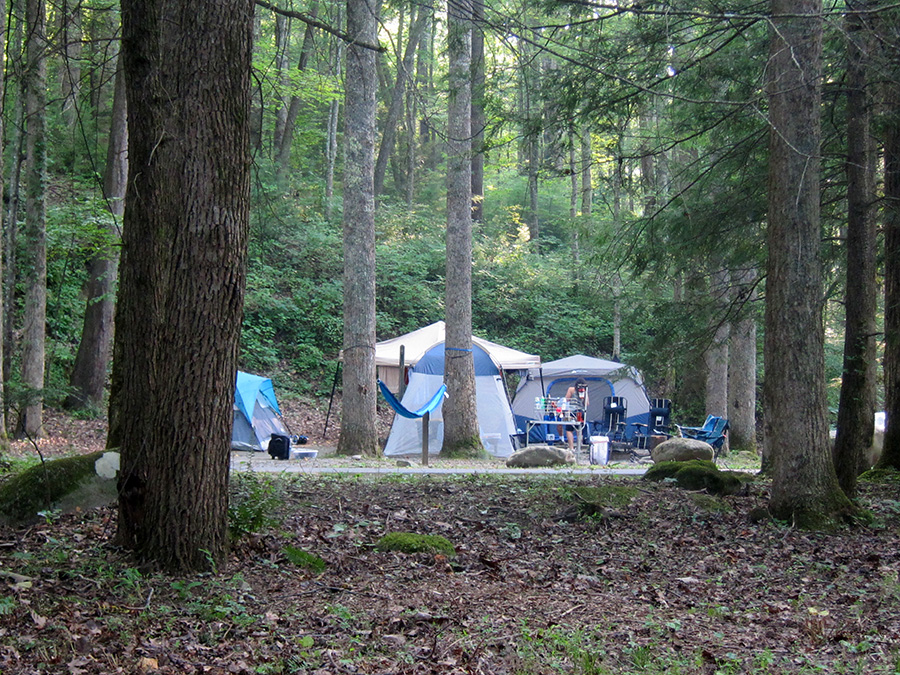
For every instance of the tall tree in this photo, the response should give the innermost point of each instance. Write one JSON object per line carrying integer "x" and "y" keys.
{"x": 742, "y": 364}
{"x": 16, "y": 65}
{"x": 889, "y": 38}
{"x": 804, "y": 486}
{"x": 35, "y": 231}
{"x": 358, "y": 435}
{"x": 89, "y": 372}
{"x": 178, "y": 314}
{"x": 461, "y": 436}
{"x": 856, "y": 413}
{"x": 3, "y": 42}
{"x": 285, "y": 139}
{"x": 478, "y": 116}
{"x": 395, "y": 109}
{"x": 716, "y": 355}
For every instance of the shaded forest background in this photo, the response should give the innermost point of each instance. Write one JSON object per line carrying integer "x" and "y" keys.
{"x": 623, "y": 204}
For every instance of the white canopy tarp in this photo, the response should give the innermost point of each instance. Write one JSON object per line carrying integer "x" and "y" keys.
{"x": 418, "y": 342}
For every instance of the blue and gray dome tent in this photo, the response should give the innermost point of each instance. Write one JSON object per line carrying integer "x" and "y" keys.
{"x": 495, "y": 420}
{"x": 604, "y": 378}
{"x": 256, "y": 413}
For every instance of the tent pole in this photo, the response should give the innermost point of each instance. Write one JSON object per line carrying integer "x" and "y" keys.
{"x": 425, "y": 418}
{"x": 401, "y": 387}
{"x": 337, "y": 372}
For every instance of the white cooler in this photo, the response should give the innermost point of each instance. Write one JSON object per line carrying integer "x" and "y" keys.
{"x": 599, "y": 450}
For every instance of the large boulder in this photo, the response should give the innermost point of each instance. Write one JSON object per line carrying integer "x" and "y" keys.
{"x": 682, "y": 450}
{"x": 540, "y": 455}
{"x": 65, "y": 484}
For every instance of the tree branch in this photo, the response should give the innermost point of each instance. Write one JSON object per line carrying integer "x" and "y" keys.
{"x": 315, "y": 23}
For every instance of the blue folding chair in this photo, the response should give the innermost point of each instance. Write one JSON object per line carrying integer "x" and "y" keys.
{"x": 714, "y": 431}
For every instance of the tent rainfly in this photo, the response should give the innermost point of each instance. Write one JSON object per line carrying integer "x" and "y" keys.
{"x": 256, "y": 413}
{"x": 418, "y": 342}
{"x": 495, "y": 420}
{"x": 604, "y": 378}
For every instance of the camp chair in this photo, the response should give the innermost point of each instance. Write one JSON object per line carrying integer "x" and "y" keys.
{"x": 659, "y": 421}
{"x": 615, "y": 414}
{"x": 714, "y": 431}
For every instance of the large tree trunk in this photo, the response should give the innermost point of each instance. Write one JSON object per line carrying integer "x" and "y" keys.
{"x": 804, "y": 486}
{"x": 856, "y": 414}
{"x": 742, "y": 365}
{"x": 178, "y": 315}
{"x": 478, "y": 116}
{"x": 282, "y": 44}
{"x": 92, "y": 360}
{"x": 69, "y": 14}
{"x": 358, "y": 434}
{"x": 587, "y": 160}
{"x": 716, "y": 355}
{"x": 3, "y": 45}
{"x": 331, "y": 137}
{"x": 890, "y": 456}
{"x": 11, "y": 233}
{"x": 395, "y": 110}
{"x": 461, "y": 436}
{"x": 285, "y": 139}
{"x": 35, "y": 231}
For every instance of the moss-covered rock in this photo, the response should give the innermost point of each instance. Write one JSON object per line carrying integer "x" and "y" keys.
{"x": 600, "y": 500}
{"x": 880, "y": 476}
{"x": 699, "y": 475}
{"x": 606, "y": 496}
{"x": 55, "y": 484}
{"x": 410, "y": 542}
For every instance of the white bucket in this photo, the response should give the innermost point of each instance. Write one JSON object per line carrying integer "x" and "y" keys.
{"x": 599, "y": 450}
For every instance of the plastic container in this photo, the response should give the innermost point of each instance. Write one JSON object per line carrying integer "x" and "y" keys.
{"x": 297, "y": 453}
{"x": 599, "y": 450}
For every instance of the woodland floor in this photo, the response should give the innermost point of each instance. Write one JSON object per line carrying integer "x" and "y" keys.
{"x": 669, "y": 582}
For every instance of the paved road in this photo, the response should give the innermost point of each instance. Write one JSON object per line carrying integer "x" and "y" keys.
{"x": 243, "y": 461}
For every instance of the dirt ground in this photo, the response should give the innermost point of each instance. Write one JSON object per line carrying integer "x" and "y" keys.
{"x": 660, "y": 580}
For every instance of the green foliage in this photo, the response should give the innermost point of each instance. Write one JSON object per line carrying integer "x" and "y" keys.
{"x": 410, "y": 542}
{"x": 302, "y": 558}
{"x": 42, "y": 485}
{"x": 253, "y": 503}
{"x": 604, "y": 496}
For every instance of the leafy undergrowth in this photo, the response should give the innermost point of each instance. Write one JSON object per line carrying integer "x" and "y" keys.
{"x": 667, "y": 583}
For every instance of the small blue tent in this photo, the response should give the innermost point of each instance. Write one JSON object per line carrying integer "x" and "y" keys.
{"x": 495, "y": 420}
{"x": 256, "y": 413}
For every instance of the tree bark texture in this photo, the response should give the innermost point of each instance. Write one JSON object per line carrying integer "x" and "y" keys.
{"x": 70, "y": 37}
{"x": 89, "y": 372}
{"x": 889, "y": 35}
{"x": 742, "y": 365}
{"x": 179, "y": 309}
{"x": 478, "y": 115}
{"x": 15, "y": 64}
{"x": 461, "y": 436}
{"x": 804, "y": 487}
{"x": 716, "y": 355}
{"x": 34, "y": 265}
{"x": 856, "y": 412}
{"x": 587, "y": 159}
{"x": 358, "y": 434}
{"x": 3, "y": 45}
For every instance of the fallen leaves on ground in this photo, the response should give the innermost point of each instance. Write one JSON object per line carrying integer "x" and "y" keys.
{"x": 668, "y": 585}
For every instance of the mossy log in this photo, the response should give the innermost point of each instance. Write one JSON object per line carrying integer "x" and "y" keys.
{"x": 54, "y": 484}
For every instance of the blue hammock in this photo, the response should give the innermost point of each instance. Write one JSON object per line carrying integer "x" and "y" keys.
{"x": 421, "y": 412}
